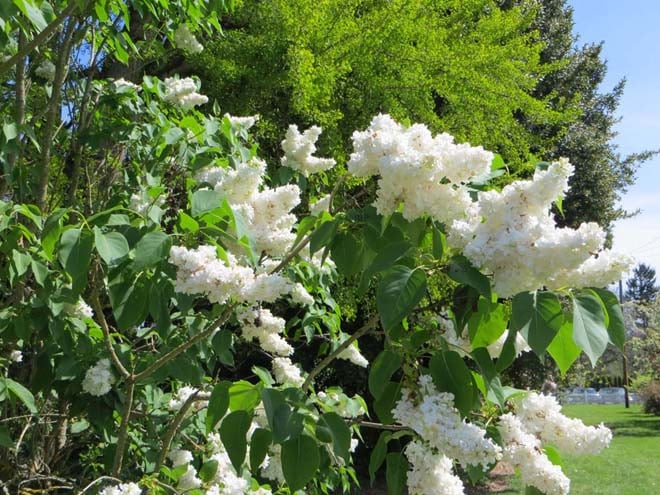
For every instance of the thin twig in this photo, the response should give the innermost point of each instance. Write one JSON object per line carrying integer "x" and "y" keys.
{"x": 107, "y": 338}
{"x": 366, "y": 328}
{"x": 39, "y": 39}
{"x": 122, "y": 437}
{"x": 97, "y": 480}
{"x": 172, "y": 429}
{"x": 164, "y": 359}
{"x": 381, "y": 426}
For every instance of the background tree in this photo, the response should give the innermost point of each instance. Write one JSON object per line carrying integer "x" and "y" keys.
{"x": 641, "y": 287}
{"x": 601, "y": 173}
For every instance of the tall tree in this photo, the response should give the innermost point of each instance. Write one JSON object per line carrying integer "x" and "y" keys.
{"x": 466, "y": 67}
{"x": 601, "y": 173}
{"x": 641, "y": 287}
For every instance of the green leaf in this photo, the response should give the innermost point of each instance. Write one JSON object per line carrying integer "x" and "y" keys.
{"x": 589, "y": 329}
{"x": 616, "y": 328}
{"x": 563, "y": 348}
{"x": 40, "y": 271}
{"x": 20, "y": 261}
{"x": 340, "y": 432}
{"x": 10, "y": 129}
{"x": 487, "y": 324}
{"x": 396, "y": 473}
{"x": 382, "y": 369}
{"x": 322, "y": 236}
{"x": 75, "y": 255}
{"x": 378, "y": 455}
{"x": 451, "y": 374}
{"x": 151, "y": 249}
{"x": 32, "y": 12}
{"x": 21, "y": 393}
{"x": 386, "y": 402}
{"x": 5, "y": 438}
{"x": 387, "y": 256}
{"x": 233, "y": 431}
{"x": 221, "y": 343}
{"x": 129, "y": 303}
{"x": 112, "y": 247}
{"x": 205, "y": 201}
{"x": 300, "y": 461}
{"x": 530, "y": 490}
{"x": 208, "y": 470}
{"x": 346, "y": 252}
{"x": 398, "y": 293}
{"x": 259, "y": 443}
{"x": 51, "y": 232}
{"x": 553, "y": 455}
{"x": 538, "y": 317}
{"x": 218, "y": 404}
{"x": 278, "y": 413}
{"x": 244, "y": 396}
{"x": 461, "y": 270}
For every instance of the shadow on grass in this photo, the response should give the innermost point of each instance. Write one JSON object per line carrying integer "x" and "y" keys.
{"x": 635, "y": 424}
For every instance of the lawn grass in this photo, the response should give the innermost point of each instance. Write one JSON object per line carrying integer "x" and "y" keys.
{"x": 630, "y": 466}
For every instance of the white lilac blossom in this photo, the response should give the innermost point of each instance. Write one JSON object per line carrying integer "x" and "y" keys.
{"x": 200, "y": 271}
{"x": 299, "y": 150}
{"x": 183, "y": 93}
{"x": 16, "y": 356}
{"x": 540, "y": 415}
{"x": 186, "y": 41}
{"x": 430, "y": 473}
{"x": 181, "y": 396}
{"x": 523, "y": 451}
{"x": 272, "y": 470}
{"x": 99, "y": 378}
{"x": 260, "y": 324}
{"x": 122, "y": 489}
{"x": 424, "y": 174}
{"x": 299, "y": 295}
{"x": 188, "y": 480}
{"x": 353, "y": 355}
{"x": 323, "y": 204}
{"x": 141, "y": 202}
{"x": 245, "y": 122}
{"x": 463, "y": 346}
{"x": 123, "y": 84}
{"x": 46, "y": 70}
{"x": 512, "y": 234}
{"x": 265, "y": 212}
{"x": 226, "y": 480}
{"x": 80, "y": 310}
{"x": 286, "y": 372}
{"x": 432, "y": 415}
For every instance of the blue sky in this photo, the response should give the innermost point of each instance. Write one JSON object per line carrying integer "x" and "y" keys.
{"x": 631, "y": 35}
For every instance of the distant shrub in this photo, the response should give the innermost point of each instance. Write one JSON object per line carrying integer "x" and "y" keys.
{"x": 651, "y": 396}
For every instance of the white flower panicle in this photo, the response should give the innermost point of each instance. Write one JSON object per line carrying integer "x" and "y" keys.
{"x": 436, "y": 420}
{"x": 186, "y": 41}
{"x": 183, "y": 93}
{"x": 141, "y": 202}
{"x": 299, "y": 150}
{"x": 509, "y": 234}
{"x": 260, "y": 324}
{"x": 286, "y": 372}
{"x": 353, "y": 355}
{"x": 512, "y": 234}
{"x": 16, "y": 356}
{"x": 181, "y": 396}
{"x": 80, "y": 310}
{"x": 299, "y": 295}
{"x": 122, "y": 489}
{"x": 99, "y": 378}
{"x": 424, "y": 173}
{"x": 463, "y": 345}
{"x": 541, "y": 416}
{"x": 189, "y": 479}
{"x": 272, "y": 470}
{"x": 122, "y": 83}
{"x": 323, "y": 204}
{"x": 245, "y": 122}
{"x": 430, "y": 473}
{"x": 199, "y": 271}
{"x": 523, "y": 451}
{"x": 46, "y": 70}
{"x": 238, "y": 185}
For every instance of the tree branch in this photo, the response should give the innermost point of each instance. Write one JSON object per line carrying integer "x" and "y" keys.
{"x": 39, "y": 39}
{"x": 366, "y": 328}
